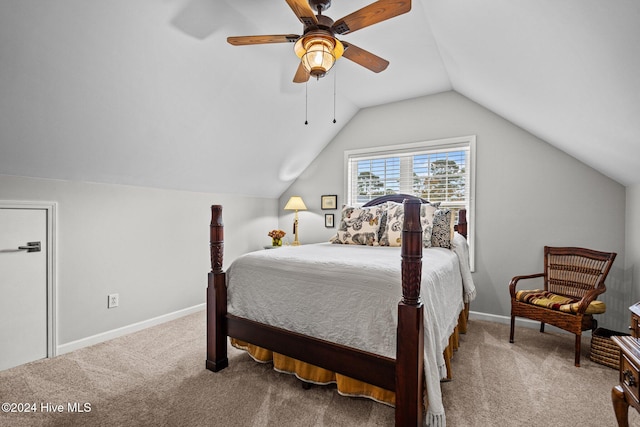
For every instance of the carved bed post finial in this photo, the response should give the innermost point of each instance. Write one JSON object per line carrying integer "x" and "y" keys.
{"x": 411, "y": 253}
{"x": 216, "y": 238}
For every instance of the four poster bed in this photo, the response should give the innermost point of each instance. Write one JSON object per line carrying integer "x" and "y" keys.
{"x": 335, "y": 306}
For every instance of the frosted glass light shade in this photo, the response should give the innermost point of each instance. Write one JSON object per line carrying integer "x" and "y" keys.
{"x": 318, "y": 52}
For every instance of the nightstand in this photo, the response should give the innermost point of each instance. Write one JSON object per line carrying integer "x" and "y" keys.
{"x": 628, "y": 391}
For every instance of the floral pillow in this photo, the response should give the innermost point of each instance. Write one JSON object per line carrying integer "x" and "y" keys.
{"x": 392, "y": 232}
{"x": 359, "y": 226}
{"x": 427, "y": 214}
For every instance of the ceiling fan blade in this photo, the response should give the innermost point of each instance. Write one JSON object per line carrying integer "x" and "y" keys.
{"x": 372, "y": 14}
{"x": 301, "y": 74}
{"x": 303, "y": 11}
{"x": 273, "y": 38}
{"x": 366, "y": 59}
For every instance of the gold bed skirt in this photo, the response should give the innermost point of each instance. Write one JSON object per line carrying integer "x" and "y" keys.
{"x": 315, "y": 375}
{"x": 346, "y": 386}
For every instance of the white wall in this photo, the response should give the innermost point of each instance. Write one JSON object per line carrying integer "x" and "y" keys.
{"x": 151, "y": 246}
{"x": 528, "y": 194}
{"x": 632, "y": 264}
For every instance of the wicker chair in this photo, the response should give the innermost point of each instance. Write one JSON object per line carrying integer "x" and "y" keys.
{"x": 573, "y": 279}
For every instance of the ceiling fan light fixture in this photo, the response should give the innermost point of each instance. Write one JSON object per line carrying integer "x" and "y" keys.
{"x": 319, "y": 36}
{"x": 318, "y": 53}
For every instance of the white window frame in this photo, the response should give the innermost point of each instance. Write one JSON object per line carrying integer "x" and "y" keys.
{"x": 447, "y": 144}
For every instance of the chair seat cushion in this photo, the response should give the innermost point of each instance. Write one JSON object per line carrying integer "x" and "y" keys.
{"x": 558, "y": 302}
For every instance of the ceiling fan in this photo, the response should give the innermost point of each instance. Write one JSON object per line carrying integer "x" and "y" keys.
{"x": 317, "y": 47}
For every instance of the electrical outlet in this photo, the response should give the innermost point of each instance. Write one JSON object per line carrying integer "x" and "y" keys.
{"x": 113, "y": 301}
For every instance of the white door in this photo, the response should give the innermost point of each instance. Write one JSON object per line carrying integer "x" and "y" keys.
{"x": 23, "y": 286}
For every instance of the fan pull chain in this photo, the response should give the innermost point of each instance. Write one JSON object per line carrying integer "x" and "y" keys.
{"x": 335, "y": 73}
{"x": 306, "y": 102}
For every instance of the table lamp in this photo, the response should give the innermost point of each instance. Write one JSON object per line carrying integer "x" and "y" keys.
{"x": 295, "y": 203}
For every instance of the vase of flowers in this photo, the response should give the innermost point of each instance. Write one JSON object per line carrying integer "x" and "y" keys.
{"x": 276, "y": 237}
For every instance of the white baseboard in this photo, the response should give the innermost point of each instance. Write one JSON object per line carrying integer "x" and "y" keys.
{"x": 519, "y": 322}
{"x": 135, "y": 327}
{"x": 476, "y": 315}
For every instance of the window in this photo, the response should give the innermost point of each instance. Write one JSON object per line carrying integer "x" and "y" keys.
{"x": 439, "y": 171}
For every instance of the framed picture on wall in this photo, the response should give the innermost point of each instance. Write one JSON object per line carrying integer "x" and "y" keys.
{"x": 328, "y": 221}
{"x": 329, "y": 202}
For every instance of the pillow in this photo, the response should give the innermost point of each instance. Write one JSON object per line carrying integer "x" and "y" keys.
{"x": 359, "y": 226}
{"x": 427, "y": 215}
{"x": 442, "y": 233}
{"x": 392, "y": 233}
{"x": 392, "y": 228}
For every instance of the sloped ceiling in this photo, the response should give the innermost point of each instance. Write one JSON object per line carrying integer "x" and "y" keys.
{"x": 148, "y": 92}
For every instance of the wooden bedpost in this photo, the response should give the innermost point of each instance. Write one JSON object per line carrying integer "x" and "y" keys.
{"x": 216, "y": 297}
{"x": 410, "y": 337}
{"x": 461, "y": 226}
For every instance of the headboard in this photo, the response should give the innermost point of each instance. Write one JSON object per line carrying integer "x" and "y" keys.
{"x": 460, "y": 227}
{"x": 398, "y": 198}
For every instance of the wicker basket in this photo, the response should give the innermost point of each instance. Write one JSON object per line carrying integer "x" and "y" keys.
{"x": 603, "y": 350}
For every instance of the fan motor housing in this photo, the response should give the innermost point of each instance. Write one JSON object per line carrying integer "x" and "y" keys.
{"x": 324, "y": 23}
{"x": 320, "y": 4}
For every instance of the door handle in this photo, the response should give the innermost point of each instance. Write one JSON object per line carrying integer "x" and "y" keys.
{"x": 31, "y": 247}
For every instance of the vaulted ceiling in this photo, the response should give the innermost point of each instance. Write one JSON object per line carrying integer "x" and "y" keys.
{"x": 149, "y": 93}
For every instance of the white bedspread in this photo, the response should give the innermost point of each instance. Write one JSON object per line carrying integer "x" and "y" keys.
{"x": 349, "y": 294}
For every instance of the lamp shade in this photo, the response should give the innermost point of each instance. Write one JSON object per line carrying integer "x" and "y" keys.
{"x": 295, "y": 203}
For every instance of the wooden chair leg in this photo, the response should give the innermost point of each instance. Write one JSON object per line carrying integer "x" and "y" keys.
{"x": 578, "y": 339}
{"x": 541, "y": 326}
{"x": 513, "y": 323}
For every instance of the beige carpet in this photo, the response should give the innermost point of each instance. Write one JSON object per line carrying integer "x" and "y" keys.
{"x": 156, "y": 377}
